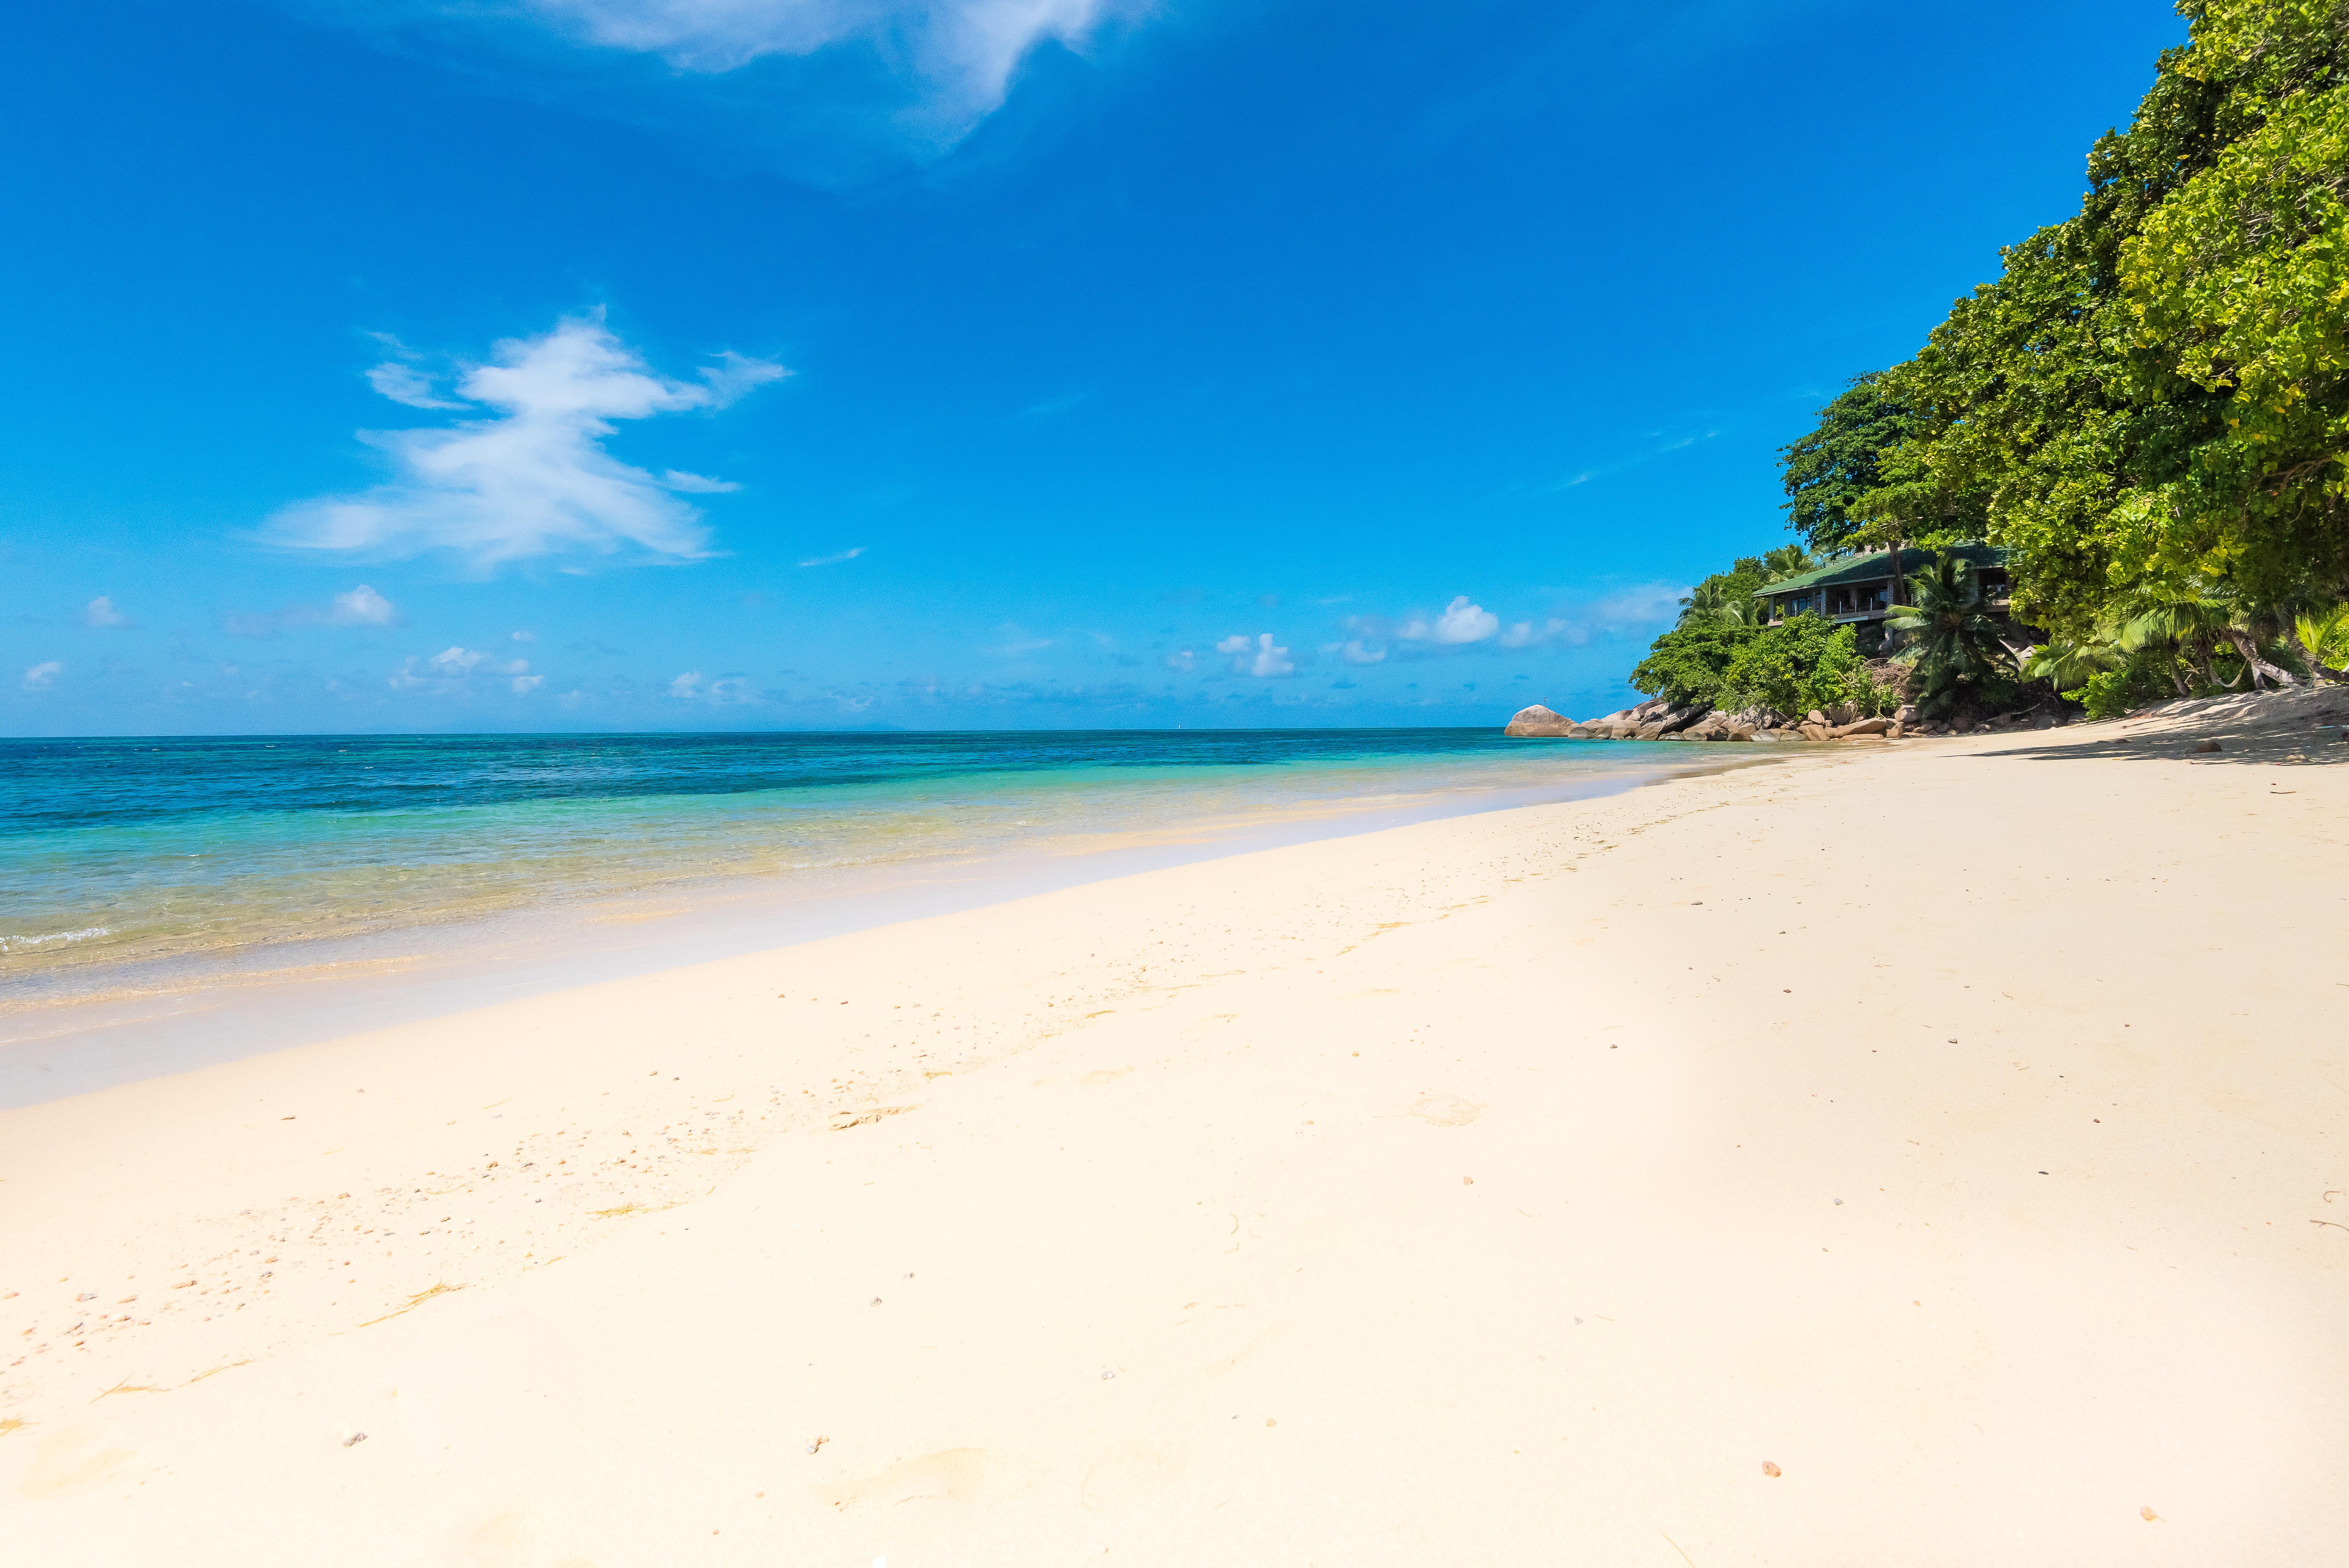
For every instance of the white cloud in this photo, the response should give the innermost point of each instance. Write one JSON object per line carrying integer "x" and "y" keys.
{"x": 100, "y": 612}
{"x": 963, "y": 52}
{"x": 524, "y": 636}
{"x": 1355, "y": 653}
{"x": 1262, "y": 657}
{"x": 834, "y": 560}
{"x": 687, "y": 685}
{"x": 43, "y": 675}
{"x": 532, "y": 479}
{"x": 450, "y": 672}
{"x": 362, "y": 607}
{"x": 1460, "y": 624}
{"x": 1184, "y": 662}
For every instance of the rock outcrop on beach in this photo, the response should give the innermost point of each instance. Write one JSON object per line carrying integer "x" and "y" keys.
{"x": 1538, "y": 721}
{"x": 1658, "y": 720}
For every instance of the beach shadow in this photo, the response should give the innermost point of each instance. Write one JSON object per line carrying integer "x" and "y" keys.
{"x": 2301, "y": 749}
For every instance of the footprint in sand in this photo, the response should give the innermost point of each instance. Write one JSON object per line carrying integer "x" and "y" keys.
{"x": 954, "y": 1475}
{"x": 1446, "y": 1110}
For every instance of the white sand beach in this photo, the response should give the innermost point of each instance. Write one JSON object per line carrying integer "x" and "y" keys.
{"x": 1923, "y": 1152}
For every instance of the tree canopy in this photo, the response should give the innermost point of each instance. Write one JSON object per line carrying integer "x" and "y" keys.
{"x": 2155, "y": 389}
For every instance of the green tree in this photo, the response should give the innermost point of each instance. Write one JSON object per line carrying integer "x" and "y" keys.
{"x": 2068, "y": 665}
{"x": 1949, "y": 636}
{"x": 2324, "y": 634}
{"x": 1802, "y": 663}
{"x": 2155, "y": 388}
{"x": 1841, "y": 459}
{"x": 2240, "y": 289}
{"x": 1690, "y": 663}
{"x": 2197, "y": 619}
{"x": 1719, "y": 601}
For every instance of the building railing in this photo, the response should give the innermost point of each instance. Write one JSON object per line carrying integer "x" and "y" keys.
{"x": 1995, "y": 599}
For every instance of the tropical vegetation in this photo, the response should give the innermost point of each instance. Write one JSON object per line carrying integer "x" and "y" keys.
{"x": 2147, "y": 411}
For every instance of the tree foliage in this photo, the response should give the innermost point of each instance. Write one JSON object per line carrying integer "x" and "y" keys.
{"x": 1690, "y": 663}
{"x": 2153, "y": 397}
{"x": 1951, "y": 635}
{"x": 1803, "y": 662}
{"x": 1828, "y": 471}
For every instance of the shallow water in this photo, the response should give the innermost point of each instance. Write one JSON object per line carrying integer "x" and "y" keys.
{"x": 136, "y": 869}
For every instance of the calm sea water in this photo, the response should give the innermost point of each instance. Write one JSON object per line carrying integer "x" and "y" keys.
{"x": 124, "y": 856}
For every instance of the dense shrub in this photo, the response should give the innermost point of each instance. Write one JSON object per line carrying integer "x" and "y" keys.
{"x": 1802, "y": 663}
{"x": 1688, "y": 664}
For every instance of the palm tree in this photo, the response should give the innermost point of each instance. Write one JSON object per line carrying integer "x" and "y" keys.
{"x": 1953, "y": 639}
{"x": 2066, "y": 664}
{"x": 2324, "y": 633}
{"x": 1787, "y": 561}
{"x": 1714, "y": 603}
{"x": 2187, "y": 619}
{"x": 2194, "y": 619}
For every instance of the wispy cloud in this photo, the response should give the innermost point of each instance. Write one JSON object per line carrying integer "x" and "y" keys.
{"x": 1607, "y": 470}
{"x": 1048, "y": 407}
{"x": 1182, "y": 662}
{"x": 100, "y": 612}
{"x": 960, "y": 53}
{"x": 43, "y": 675}
{"x": 1636, "y": 609}
{"x": 724, "y": 691}
{"x": 532, "y": 479}
{"x": 695, "y": 483}
{"x": 1018, "y": 640}
{"x": 400, "y": 379}
{"x": 451, "y": 672}
{"x": 833, "y": 560}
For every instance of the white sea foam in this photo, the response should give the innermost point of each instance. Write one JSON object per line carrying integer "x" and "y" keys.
{"x": 18, "y": 944}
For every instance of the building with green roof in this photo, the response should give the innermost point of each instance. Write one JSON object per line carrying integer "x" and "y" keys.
{"x": 1860, "y": 590}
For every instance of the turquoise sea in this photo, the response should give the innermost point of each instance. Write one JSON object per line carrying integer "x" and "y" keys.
{"x": 147, "y": 866}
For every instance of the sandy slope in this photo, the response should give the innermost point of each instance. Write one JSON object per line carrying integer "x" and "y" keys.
{"x": 1462, "y": 1193}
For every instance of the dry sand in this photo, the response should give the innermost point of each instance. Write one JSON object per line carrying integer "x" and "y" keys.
{"x": 1926, "y": 1154}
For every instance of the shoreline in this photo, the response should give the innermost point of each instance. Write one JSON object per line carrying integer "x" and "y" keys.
{"x": 1513, "y": 1183}
{"x": 211, "y": 1013}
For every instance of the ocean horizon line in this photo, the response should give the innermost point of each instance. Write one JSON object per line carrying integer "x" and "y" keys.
{"x": 857, "y": 731}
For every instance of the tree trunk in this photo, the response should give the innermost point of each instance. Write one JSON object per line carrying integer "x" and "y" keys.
{"x": 2289, "y": 634}
{"x": 2258, "y": 666}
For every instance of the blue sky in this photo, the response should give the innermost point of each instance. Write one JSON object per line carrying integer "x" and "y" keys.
{"x": 387, "y": 365}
